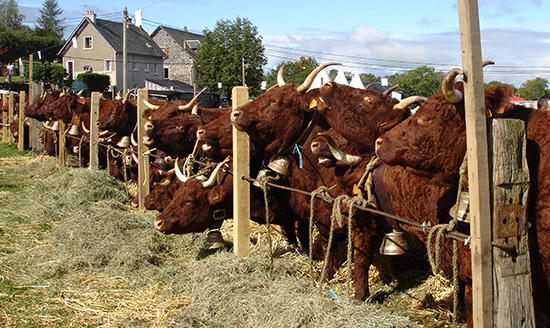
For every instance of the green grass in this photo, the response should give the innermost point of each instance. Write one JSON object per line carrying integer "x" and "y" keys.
{"x": 13, "y": 78}
{"x": 7, "y": 150}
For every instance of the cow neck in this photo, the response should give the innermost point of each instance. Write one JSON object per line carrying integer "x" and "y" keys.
{"x": 383, "y": 200}
{"x": 307, "y": 126}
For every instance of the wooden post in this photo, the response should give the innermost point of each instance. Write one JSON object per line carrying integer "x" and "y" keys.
{"x": 11, "y": 99}
{"x": 478, "y": 167}
{"x": 241, "y": 188}
{"x": 36, "y": 125}
{"x": 62, "y": 151}
{"x": 512, "y": 297}
{"x": 4, "y": 119}
{"x": 21, "y": 127}
{"x": 94, "y": 131}
{"x": 143, "y": 165}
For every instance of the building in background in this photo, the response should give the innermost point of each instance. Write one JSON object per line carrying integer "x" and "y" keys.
{"x": 96, "y": 45}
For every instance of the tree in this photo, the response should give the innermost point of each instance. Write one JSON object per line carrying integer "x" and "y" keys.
{"x": 295, "y": 72}
{"x": 10, "y": 17}
{"x": 533, "y": 89}
{"x": 421, "y": 81}
{"x": 224, "y": 52}
{"x": 53, "y": 75}
{"x": 49, "y": 25}
{"x": 369, "y": 77}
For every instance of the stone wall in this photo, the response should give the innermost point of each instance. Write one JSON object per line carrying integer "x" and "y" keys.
{"x": 179, "y": 62}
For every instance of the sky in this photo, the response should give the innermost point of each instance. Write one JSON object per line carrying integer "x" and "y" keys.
{"x": 378, "y": 37}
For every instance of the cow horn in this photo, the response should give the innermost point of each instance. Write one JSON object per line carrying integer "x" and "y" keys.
{"x": 133, "y": 140}
{"x": 127, "y": 95}
{"x": 368, "y": 86}
{"x": 280, "y": 77}
{"x": 118, "y": 96}
{"x": 214, "y": 175}
{"x": 447, "y": 86}
{"x": 81, "y": 92}
{"x": 390, "y": 89}
{"x": 404, "y": 103}
{"x": 342, "y": 157}
{"x": 165, "y": 183}
{"x": 309, "y": 80}
{"x": 149, "y": 105}
{"x": 135, "y": 157}
{"x": 84, "y": 128}
{"x": 192, "y": 102}
{"x": 180, "y": 175}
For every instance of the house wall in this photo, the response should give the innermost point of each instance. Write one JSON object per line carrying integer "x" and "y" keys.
{"x": 179, "y": 62}
{"x": 94, "y": 57}
{"x": 137, "y": 72}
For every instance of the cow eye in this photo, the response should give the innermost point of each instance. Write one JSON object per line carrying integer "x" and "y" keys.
{"x": 423, "y": 120}
{"x": 368, "y": 100}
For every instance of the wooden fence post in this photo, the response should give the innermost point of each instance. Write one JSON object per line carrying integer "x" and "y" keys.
{"x": 4, "y": 119}
{"x": 36, "y": 125}
{"x": 21, "y": 122}
{"x": 94, "y": 131}
{"x": 512, "y": 296}
{"x": 241, "y": 188}
{"x": 143, "y": 165}
{"x": 62, "y": 151}
{"x": 478, "y": 166}
{"x": 11, "y": 99}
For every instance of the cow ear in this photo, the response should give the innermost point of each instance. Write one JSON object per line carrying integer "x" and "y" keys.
{"x": 216, "y": 195}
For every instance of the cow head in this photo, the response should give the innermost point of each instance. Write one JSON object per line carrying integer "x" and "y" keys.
{"x": 36, "y": 109}
{"x": 278, "y": 117}
{"x": 216, "y": 137}
{"x": 361, "y": 115}
{"x": 119, "y": 117}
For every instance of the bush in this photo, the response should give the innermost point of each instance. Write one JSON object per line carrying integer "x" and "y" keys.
{"x": 95, "y": 81}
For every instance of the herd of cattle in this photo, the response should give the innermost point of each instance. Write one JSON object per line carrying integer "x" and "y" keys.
{"x": 306, "y": 140}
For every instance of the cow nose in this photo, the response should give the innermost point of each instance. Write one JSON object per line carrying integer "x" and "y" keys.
{"x": 149, "y": 126}
{"x": 200, "y": 133}
{"x": 158, "y": 224}
{"x": 235, "y": 114}
{"x": 314, "y": 146}
{"x": 377, "y": 144}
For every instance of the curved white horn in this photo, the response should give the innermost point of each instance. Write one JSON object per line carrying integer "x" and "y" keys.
{"x": 404, "y": 103}
{"x": 309, "y": 80}
{"x": 180, "y": 175}
{"x": 214, "y": 176}
{"x": 342, "y": 157}
{"x": 390, "y": 89}
{"x": 84, "y": 128}
{"x": 192, "y": 102}
{"x": 280, "y": 77}
{"x": 447, "y": 86}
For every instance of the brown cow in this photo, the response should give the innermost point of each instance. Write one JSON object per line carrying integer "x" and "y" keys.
{"x": 431, "y": 144}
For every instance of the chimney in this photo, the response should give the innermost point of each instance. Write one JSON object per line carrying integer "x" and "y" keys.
{"x": 90, "y": 15}
{"x": 185, "y": 28}
{"x": 384, "y": 82}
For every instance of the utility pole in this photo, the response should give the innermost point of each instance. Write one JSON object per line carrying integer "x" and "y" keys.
{"x": 124, "y": 52}
{"x": 244, "y": 84}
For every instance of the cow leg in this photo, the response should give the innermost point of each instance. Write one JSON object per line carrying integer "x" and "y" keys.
{"x": 363, "y": 248}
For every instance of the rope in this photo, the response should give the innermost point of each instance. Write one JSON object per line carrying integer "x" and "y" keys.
{"x": 263, "y": 184}
{"x": 324, "y": 192}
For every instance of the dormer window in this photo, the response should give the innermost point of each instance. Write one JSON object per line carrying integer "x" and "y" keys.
{"x": 88, "y": 43}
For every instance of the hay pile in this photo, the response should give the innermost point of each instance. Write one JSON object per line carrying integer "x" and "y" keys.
{"x": 73, "y": 253}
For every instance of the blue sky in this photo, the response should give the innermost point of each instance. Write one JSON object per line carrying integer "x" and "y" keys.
{"x": 368, "y": 37}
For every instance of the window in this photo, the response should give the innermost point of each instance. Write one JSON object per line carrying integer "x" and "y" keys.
{"x": 136, "y": 67}
{"x": 88, "y": 44}
{"x": 155, "y": 69}
{"x": 166, "y": 73}
{"x": 108, "y": 65}
{"x": 70, "y": 69}
{"x": 146, "y": 67}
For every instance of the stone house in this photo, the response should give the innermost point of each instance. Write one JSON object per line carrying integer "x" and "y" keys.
{"x": 96, "y": 45}
{"x": 180, "y": 48}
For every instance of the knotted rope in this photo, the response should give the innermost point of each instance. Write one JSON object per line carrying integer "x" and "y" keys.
{"x": 263, "y": 181}
{"x": 441, "y": 231}
{"x": 323, "y": 192}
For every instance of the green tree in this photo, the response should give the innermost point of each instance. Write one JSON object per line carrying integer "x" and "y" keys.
{"x": 369, "y": 77}
{"x": 49, "y": 23}
{"x": 421, "y": 81}
{"x": 295, "y": 72}
{"x": 224, "y": 52}
{"x": 10, "y": 17}
{"x": 533, "y": 89}
{"x": 53, "y": 75}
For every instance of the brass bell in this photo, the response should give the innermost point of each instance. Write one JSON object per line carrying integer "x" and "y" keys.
{"x": 263, "y": 173}
{"x": 394, "y": 243}
{"x": 214, "y": 241}
{"x": 280, "y": 164}
{"x": 124, "y": 142}
{"x": 460, "y": 210}
{"x": 74, "y": 130}
{"x": 55, "y": 126}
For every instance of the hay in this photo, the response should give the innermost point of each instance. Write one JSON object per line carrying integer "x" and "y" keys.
{"x": 78, "y": 254}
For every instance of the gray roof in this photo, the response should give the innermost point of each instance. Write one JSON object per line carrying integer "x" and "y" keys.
{"x": 179, "y": 35}
{"x": 175, "y": 85}
{"x": 138, "y": 42}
